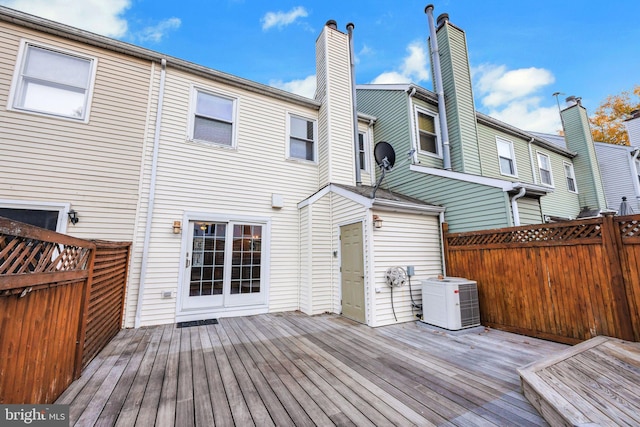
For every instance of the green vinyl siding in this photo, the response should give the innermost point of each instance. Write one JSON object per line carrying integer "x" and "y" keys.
{"x": 529, "y": 211}
{"x": 489, "y": 155}
{"x": 587, "y": 170}
{"x": 456, "y": 82}
{"x": 469, "y": 206}
{"x": 560, "y": 202}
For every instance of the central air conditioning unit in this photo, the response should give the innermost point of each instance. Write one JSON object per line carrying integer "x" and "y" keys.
{"x": 450, "y": 303}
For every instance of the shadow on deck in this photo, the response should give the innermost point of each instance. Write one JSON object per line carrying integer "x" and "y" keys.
{"x": 292, "y": 369}
{"x": 596, "y": 382}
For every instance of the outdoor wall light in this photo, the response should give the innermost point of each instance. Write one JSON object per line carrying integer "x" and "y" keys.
{"x": 73, "y": 217}
{"x": 377, "y": 221}
{"x": 177, "y": 227}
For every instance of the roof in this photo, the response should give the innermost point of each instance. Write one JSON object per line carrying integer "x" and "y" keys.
{"x": 553, "y": 139}
{"x": 431, "y": 97}
{"x": 50, "y": 27}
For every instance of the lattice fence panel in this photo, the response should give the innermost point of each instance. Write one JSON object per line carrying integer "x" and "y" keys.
{"x": 21, "y": 255}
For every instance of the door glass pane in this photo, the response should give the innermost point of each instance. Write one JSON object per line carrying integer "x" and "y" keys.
{"x": 246, "y": 257}
{"x": 207, "y": 260}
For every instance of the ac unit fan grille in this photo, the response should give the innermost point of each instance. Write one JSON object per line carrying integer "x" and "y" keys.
{"x": 469, "y": 309}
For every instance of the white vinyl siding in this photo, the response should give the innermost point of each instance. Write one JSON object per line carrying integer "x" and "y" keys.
{"x": 92, "y": 167}
{"x": 544, "y": 167}
{"x": 53, "y": 82}
{"x": 404, "y": 239}
{"x": 234, "y": 183}
{"x": 571, "y": 177}
{"x": 506, "y": 157}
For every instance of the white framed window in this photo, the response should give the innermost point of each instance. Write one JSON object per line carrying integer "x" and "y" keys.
{"x": 301, "y": 140}
{"x": 49, "y": 215}
{"x": 213, "y": 118}
{"x": 544, "y": 166}
{"x": 571, "y": 177}
{"x": 363, "y": 144}
{"x": 428, "y": 132}
{"x": 53, "y": 82}
{"x": 506, "y": 157}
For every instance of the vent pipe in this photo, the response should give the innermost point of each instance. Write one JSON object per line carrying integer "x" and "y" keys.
{"x": 437, "y": 77}
{"x": 356, "y": 140}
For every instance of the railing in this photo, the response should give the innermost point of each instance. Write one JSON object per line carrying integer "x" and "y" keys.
{"x": 566, "y": 282}
{"x": 61, "y": 301}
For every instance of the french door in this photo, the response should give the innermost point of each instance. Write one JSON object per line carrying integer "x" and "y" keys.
{"x": 223, "y": 265}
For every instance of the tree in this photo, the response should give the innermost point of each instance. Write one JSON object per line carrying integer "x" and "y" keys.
{"x": 607, "y": 124}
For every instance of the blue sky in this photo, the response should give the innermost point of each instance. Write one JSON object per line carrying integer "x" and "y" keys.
{"x": 520, "y": 52}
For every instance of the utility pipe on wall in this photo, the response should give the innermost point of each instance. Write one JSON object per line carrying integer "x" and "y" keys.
{"x": 514, "y": 205}
{"x": 356, "y": 141}
{"x": 152, "y": 196}
{"x": 437, "y": 78}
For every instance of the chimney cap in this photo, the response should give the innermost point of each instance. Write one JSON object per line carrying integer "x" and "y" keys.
{"x": 351, "y": 25}
{"x": 442, "y": 18}
{"x": 429, "y": 6}
{"x": 332, "y": 24}
{"x": 573, "y": 100}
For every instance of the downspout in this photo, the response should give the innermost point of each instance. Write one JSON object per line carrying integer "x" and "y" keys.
{"x": 514, "y": 205}
{"x": 152, "y": 196}
{"x": 634, "y": 167}
{"x": 412, "y": 91}
{"x": 533, "y": 166}
{"x": 437, "y": 77}
{"x": 356, "y": 141}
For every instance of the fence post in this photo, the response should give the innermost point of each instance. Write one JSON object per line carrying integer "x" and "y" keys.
{"x": 614, "y": 251}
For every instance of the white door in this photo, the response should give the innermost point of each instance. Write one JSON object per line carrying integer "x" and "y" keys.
{"x": 223, "y": 265}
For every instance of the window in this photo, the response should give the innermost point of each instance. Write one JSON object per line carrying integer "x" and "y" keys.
{"x": 571, "y": 177}
{"x": 302, "y": 140}
{"x": 49, "y": 215}
{"x": 362, "y": 151}
{"x": 544, "y": 164}
{"x": 213, "y": 119}
{"x": 52, "y": 82}
{"x": 427, "y": 132}
{"x": 506, "y": 157}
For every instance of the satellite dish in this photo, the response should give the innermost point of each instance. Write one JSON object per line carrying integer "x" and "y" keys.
{"x": 385, "y": 155}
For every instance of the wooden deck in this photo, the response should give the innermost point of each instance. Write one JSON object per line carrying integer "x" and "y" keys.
{"x": 292, "y": 369}
{"x": 596, "y": 382}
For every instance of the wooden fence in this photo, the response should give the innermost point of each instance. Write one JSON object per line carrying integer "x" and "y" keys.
{"x": 566, "y": 282}
{"x": 53, "y": 315}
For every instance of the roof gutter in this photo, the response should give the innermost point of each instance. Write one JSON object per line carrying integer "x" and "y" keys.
{"x": 152, "y": 197}
{"x": 437, "y": 77}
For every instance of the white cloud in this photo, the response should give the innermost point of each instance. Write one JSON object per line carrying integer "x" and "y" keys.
{"x": 413, "y": 67}
{"x": 304, "y": 87}
{"x": 98, "y": 16}
{"x": 528, "y": 114}
{"x": 155, "y": 33}
{"x": 513, "y": 96}
{"x": 280, "y": 19}
{"x": 499, "y": 86}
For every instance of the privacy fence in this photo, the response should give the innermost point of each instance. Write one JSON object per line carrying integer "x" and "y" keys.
{"x": 61, "y": 301}
{"x": 565, "y": 282}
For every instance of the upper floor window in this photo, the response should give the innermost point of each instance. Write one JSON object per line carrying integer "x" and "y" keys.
{"x": 362, "y": 150}
{"x": 53, "y": 82}
{"x": 428, "y": 133}
{"x": 302, "y": 138}
{"x": 213, "y": 119}
{"x": 506, "y": 157}
{"x": 544, "y": 164}
{"x": 571, "y": 177}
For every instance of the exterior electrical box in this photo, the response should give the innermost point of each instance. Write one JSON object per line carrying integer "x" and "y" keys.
{"x": 450, "y": 303}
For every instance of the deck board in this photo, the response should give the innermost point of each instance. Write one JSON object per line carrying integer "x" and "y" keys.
{"x": 292, "y": 369}
{"x": 592, "y": 383}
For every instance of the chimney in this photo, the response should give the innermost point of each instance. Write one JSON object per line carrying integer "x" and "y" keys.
{"x": 460, "y": 107}
{"x": 577, "y": 134}
{"x": 336, "y": 154}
